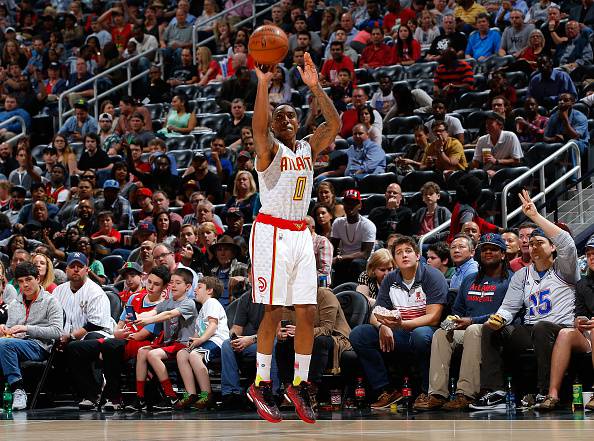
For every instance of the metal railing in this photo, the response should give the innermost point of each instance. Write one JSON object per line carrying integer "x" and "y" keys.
{"x": 575, "y": 170}
{"x": 127, "y": 64}
{"x": 251, "y": 19}
{"x": 18, "y": 136}
{"x": 543, "y": 189}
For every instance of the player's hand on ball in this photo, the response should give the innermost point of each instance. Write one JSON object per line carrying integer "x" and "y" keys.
{"x": 264, "y": 73}
{"x": 309, "y": 74}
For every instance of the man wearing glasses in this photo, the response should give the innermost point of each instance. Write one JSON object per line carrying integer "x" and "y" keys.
{"x": 163, "y": 255}
{"x": 445, "y": 154}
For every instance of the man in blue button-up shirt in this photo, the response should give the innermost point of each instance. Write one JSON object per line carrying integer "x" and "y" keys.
{"x": 484, "y": 42}
{"x": 462, "y": 252}
{"x": 365, "y": 156}
{"x": 567, "y": 124}
{"x": 546, "y": 85}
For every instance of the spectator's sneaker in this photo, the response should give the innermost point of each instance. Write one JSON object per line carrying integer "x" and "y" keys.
{"x": 549, "y": 403}
{"x": 489, "y": 401}
{"x": 166, "y": 404}
{"x": 19, "y": 400}
{"x": 138, "y": 405}
{"x": 531, "y": 400}
{"x": 300, "y": 397}
{"x": 263, "y": 399}
{"x": 204, "y": 401}
{"x": 86, "y": 405}
{"x": 461, "y": 402}
{"x": 386, "y": 399}
{"x": 429, "y": 402}
{"x": 110, "y": 406}
{"x": 186, "y": 402}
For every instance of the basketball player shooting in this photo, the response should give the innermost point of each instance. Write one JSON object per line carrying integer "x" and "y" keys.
{"x": 281, "y": 248}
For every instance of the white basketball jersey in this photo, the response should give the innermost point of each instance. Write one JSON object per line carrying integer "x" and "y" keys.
{"x": 285, "y": 186}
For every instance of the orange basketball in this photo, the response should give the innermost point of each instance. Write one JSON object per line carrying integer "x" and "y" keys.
{"x": 268, "y": 45}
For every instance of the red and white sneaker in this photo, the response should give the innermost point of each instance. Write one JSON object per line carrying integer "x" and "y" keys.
{"x": 263, "y": 399}
{"x": 300, "y": 397}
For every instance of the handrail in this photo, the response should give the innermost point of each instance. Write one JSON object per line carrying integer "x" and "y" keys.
{"x": 544, "y": 190}
{"x": 23, "y": 127}
{"x": 236, "y": 25}
{"x": 95, "y": 100}
{"x": 214, "y": 18}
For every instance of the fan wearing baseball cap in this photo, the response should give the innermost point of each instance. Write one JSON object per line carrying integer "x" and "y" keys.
{"x": 479, "y": 296}
{"x": 546, "y": 289}
{"x": 353, "y": 237}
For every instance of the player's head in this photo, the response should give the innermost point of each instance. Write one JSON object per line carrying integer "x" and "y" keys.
{"x": 285, "y": 123}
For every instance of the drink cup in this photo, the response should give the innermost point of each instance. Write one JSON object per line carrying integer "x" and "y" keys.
{"x": 486, "y": 154}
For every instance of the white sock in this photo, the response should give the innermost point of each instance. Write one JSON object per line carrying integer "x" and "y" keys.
{"x": 263, "y": 363}
{"x": 301, "y": 368}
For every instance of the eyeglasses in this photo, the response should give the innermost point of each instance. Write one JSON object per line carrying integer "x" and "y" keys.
{"x": 161, "y": 256}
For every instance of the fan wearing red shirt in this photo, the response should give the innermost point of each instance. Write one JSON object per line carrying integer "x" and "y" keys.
{"x": 406, "y": 49}
{"x": 107, "y": 237}
{"x": 239, "y": 48}
{"x": 395, "y": 13}
{"x": 377, "y": 53}
{"x": 331, "y": 67}
{"x": 121, "y": 31}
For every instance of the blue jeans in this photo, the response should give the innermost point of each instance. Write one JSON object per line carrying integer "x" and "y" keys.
{"x": 13, "y": 351}
{"x": 365, "y": 341}
{"x": 230, "y": 368}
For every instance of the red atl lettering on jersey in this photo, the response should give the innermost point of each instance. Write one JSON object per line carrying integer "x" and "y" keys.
{"x": 262, "y": 284}
{"x": 298, "y": 164}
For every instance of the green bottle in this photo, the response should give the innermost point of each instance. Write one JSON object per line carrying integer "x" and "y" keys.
{"x": 7, "y": 399}
{"x": 577, "y": 402}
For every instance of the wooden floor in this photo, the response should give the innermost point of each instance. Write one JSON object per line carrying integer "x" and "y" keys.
{"x": 336, "y": 430}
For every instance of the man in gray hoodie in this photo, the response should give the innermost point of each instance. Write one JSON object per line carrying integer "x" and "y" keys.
{"x": 34, "y": 322}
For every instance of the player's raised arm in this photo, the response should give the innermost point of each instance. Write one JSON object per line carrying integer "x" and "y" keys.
{"x": 327, "y": 131}
{"x": 263, "y": 143}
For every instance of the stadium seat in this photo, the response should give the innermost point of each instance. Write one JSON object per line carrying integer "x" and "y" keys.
{"x": 184, "y": 142}
{"x": 111, "y": 265}
{"x": 453, "y": 178}
{"x": 347, "y": 286}
{"x": 413, "y": 181}
{"x": 204, "y": 141}
{"x": 502, "y": 177}
{"x": 371, "y": 202}
{"x": 517, "y": 79}
{"x": 342, "y": 183}
{"x": 211, "y": 90}
{"x": 341, "y": 144}
{"x": 363, "y": 76}
{"x": 421, "y": 70}
{"x": 355, "y": 307}
{"x": 78, "y": 148}
{"x": 155, "y": 110}
{"x": 230, "y": 310}
{"x": 183, "y": 157}
{"x": 474, "y": 99}
{"x": 400, "y": 141}
{"x": 476, "y": 120}
{"x": 403, "y": 124}
{"x": 395, "y": 72}
{"x": 539, "y": 152}
{"x": 425, "y": 85}
{"x": 37, "y": 152}
{"x": 115, "y": 304}
{"x": 213, "y": 121}
{"x": 481, "y": 175}
{"x": 376, "y": 183}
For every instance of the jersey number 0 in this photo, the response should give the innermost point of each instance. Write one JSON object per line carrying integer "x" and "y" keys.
{"x": 300, "y": 188}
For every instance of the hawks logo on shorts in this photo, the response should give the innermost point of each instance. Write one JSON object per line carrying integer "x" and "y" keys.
{"x": 262, "y": 284}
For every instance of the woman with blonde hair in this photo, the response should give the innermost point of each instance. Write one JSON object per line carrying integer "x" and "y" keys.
{"x": 207, "y": 236}
{"x": 244, "y": 196}
{"x": 208, "y": 69}
{"x": 46, "y": 271}
{"x": 223, "y": 35}
{"x": 379, "y": 264}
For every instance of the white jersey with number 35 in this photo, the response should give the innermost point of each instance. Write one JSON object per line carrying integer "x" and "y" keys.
{"x": 285, "y": 186}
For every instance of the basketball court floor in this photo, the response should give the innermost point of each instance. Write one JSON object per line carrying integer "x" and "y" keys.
{"x": 65, "y": 423}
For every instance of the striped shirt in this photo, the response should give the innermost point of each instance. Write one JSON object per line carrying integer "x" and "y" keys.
{"x": 87, "y": 305}
{"x": 429, "y": 287}
{"x": 458, "y": 74}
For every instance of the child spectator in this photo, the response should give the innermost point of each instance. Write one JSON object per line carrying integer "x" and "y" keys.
{"x": 178, "y": 314}
{"x": 131, "y": 272}
{"x": 107, "y": 238}
{"x": 211, "y": 332}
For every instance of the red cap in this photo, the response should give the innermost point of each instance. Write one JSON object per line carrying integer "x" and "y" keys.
{"x": 144, "y": 192}
{"x": 352, "y": 194}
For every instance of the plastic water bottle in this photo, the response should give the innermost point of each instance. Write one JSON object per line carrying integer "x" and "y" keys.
{"x": 510, "y": 396}
{"x": 7, "y": 399}
{"x": 577, "y": 399}
{"x": 452, "y": 389}
{"x": 360, "y": 394}
{"x": 406, "y": 394}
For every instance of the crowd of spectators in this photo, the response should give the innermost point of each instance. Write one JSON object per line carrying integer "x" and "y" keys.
{"x": 151, "y": 200}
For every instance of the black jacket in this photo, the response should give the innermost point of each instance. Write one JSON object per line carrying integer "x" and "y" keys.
{"x": 584, "y": 297}
{"x": 388, "y": 221}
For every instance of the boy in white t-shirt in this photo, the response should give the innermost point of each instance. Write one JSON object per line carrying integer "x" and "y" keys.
{"x": 211, "y": 331}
